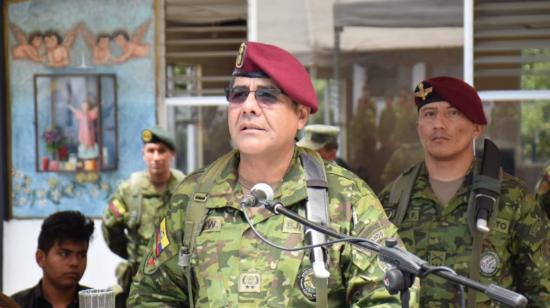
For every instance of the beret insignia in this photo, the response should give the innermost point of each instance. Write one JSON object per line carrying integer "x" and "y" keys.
{"x": 147, "y": 136}
{"x": 240, "y": 57}
{"x": 421, "y": 92}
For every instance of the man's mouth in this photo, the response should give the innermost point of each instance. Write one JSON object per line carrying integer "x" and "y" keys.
{"x": 74, "y": 276}
{"x": 440, "y": 138}
{"x": 245, "y": 127}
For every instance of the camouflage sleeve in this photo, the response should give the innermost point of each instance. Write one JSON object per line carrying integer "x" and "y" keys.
{"x": 543, "y": 191}
{"x": 160, "y": 281}
{"x": 532, "y": 234}
{"x": 113, "y": 223}
{"x": 366, "y": 272}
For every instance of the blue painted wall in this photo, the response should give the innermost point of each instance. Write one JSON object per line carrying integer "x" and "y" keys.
{"x": 37, "y": 194}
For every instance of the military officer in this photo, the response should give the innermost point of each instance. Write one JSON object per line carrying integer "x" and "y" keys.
{"x": 206, "y": 254}
{"x": 543, "y": 189}
{"x": 136, "y": 207}
{"x": 433, "y": 215}
{"x": 323, "y": 139}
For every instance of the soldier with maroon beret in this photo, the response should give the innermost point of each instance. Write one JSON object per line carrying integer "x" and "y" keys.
{"x": 216, "y": 260}
{"x": 431, "y": 205}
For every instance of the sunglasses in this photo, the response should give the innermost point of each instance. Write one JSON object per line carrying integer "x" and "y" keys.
{"x": 263, "y": 95}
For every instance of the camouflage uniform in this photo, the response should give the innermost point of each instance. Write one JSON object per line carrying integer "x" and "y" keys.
{"x": 228, "y": 253}
{"x": 543, "y": 190}
{"x": 515, "y": 255}
{"x": 126, "y": 234}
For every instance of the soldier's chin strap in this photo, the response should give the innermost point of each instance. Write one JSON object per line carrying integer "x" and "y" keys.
{"x": 482, "y": 206}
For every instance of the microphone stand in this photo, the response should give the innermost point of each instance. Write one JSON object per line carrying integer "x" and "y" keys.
{"x": 406, "y": 265}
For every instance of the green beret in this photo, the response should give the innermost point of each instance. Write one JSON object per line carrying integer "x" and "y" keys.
{"x": 317, "y": 136}
{"x": 158, "y": 134}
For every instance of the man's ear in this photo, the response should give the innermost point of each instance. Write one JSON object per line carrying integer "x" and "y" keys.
{"x": 40, "y": 257}
{"x": 478, "y": 130}
{"x": 303, "y": 115}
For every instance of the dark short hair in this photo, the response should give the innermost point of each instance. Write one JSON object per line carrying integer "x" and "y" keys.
{"x": 120, "y": 32}
{"x": 65, "y": 226}
{"x": 54, "y": 33}
{"x": 35, "y": 34}
{"x": 102, "y": 35}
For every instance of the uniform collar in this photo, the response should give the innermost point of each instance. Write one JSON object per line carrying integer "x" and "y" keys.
{"x": 148, "y": 189}
{"x": 292, "y": 190}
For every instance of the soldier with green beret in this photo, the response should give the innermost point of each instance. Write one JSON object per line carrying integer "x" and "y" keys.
{"x": 433, "y": 205}
{"x": 543, "y": 189}
{"x": 323, "y": 139}
{"x": 205, "y": 253}
{"x": 136, "y": 207}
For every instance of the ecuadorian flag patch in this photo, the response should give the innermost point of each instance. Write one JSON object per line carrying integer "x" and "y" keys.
{"x": 116, "y": 208}
{"x": 161, "y": 238}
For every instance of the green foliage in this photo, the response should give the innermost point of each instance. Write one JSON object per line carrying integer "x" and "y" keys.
{"x": 321, "y": 87}
{"x": 535, "y": 115}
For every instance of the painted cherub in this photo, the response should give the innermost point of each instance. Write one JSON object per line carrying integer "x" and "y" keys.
{"x": 31, "y": 49}
{"x": 58, "y": 48}
{"x": 99, "y": 44}
{"x": 132, "y": 48}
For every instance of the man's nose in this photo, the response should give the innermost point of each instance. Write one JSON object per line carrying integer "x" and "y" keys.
{"x": 74, "y": 260}
{"x": 250, "y": 105}
{"x": 440, "y": 120}
{"x": 156, "y": 155}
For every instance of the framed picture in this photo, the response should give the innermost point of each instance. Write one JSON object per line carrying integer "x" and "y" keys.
{"x": 76, "y": 122}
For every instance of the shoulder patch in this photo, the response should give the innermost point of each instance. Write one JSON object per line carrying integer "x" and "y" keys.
{"x": 162, "y": 240}
{"x": 306, "y": 283}
{"x": 116, "y": 208}
{"x": 489, "y": 264}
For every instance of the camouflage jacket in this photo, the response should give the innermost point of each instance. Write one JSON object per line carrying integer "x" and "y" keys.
{"x": 127, "y": 234}
{"x": 233, "y": 268}
{"x": 543, "y": 190}
{"x": 515, "y": 254}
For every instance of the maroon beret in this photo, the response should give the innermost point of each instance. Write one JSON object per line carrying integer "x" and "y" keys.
{"x": 454, "y": 91}
{"x": 263, "y": 60}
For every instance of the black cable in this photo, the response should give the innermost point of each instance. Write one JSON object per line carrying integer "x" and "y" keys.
{"x": 268, "y": 242}
{"x": 430, "y": 269}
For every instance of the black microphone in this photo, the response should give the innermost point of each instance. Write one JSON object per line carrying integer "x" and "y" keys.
{"x": 485, "y": 199}
{"x": 259, "y": 194}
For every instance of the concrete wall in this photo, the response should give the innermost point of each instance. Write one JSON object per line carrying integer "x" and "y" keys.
{"x": 21, "y": 270}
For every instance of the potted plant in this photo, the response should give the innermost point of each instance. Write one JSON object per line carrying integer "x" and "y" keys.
{"x": 54, "y": 139}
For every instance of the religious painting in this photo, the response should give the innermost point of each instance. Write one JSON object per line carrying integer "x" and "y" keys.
{"x": 75, "y": 121}
{"x": 53, "y": 48}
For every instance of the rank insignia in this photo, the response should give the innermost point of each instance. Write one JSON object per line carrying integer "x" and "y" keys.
{"x": 249, "y": 282}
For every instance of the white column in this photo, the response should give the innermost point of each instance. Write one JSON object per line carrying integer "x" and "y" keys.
{"x": 469, "y": 41}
